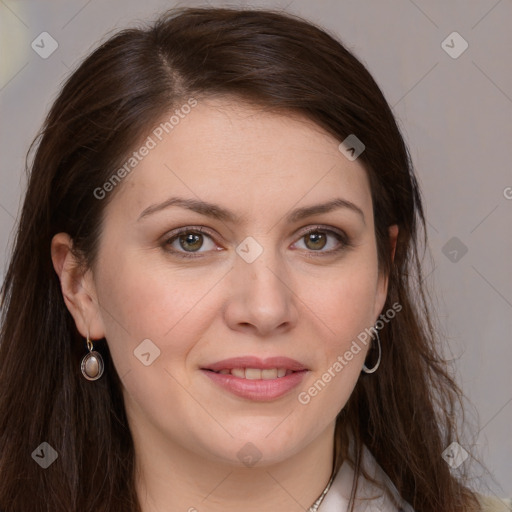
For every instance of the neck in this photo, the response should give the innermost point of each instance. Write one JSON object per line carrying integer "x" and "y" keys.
{"x": 169, "y": 478}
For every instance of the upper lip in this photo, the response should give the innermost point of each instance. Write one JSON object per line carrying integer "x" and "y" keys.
{"x": 256, "y": 362}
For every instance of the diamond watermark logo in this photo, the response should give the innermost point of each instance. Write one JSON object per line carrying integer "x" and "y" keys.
{"x": 455, "y": 455}
{"x": 351, "y": 147}
{"x": 454, "y": 45}
{"x": 147, "y": 352}
{"x": 44, "y": 45}
{"x": 249, "y": 249}
{"x": 249, "y": 455}
{"x": 454, "y": 249}
{"x": 45, "y": 455}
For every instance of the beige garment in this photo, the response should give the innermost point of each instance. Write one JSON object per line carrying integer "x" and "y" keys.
{"x": 371, "y": 498}
{"x": 489, "y": 504}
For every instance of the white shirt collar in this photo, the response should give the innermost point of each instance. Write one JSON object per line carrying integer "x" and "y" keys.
{"x": 369, "y": 498}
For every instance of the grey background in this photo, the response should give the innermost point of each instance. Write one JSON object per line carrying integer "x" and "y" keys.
{"x": 456, "y": 115}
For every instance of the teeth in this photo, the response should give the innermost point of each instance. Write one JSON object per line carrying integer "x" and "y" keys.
{"x": 256, "y": 373}
{"x": 270, "y": 373}
{"x": 252, "y": 373}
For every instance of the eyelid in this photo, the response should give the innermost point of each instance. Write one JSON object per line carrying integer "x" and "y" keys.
{"x": 187, "y": 229}
{"x": 322, "y": 227}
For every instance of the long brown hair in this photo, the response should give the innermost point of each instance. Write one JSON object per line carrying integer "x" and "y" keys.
{"x": 404, "y": 413}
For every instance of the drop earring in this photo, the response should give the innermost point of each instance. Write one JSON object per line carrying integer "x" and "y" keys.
{"x": 92, "y": 363}
{"x": 374, "y": 369}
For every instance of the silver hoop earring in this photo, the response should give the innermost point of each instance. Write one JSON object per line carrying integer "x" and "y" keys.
{"x": 92, "y": 363}
{"x": 374, "y": 369}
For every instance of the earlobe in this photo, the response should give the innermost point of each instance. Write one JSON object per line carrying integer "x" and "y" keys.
{"x": 77, "y": 288}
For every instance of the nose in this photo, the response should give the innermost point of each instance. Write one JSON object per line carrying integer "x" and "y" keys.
{"x": 262, "y": 300}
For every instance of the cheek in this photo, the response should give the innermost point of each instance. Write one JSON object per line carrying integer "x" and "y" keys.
{"x": 344, "y": 304}
{"x": 143, "y": 301}
{"x": 140, "y": 301}
{"x": 144, "y": 297}
{"x": 344, "y": 300}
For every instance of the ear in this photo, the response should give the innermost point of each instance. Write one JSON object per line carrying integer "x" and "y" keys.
{"x": 77, "y": 287}
{"x": 382, "y": 287}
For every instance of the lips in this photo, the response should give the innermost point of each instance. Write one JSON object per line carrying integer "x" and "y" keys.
{"x": 256, "y": 379}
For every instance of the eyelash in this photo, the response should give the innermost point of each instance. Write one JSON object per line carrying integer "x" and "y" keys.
{"x": 340, "y": 236}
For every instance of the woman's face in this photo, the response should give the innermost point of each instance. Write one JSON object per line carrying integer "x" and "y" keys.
{"x": 251, "y": 284}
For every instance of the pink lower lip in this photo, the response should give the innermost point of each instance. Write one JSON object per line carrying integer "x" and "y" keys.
{"x": 258, "y": 389}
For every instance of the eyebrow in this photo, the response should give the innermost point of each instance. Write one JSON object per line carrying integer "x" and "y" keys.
{"x": 223, "y": 214}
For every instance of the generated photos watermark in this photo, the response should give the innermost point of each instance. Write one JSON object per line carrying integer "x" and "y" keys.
{"x": 157, "y": 135}
{"x": 343, "y": 360}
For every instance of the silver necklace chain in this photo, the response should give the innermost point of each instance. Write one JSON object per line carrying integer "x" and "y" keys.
{"x": 319, "y": 500}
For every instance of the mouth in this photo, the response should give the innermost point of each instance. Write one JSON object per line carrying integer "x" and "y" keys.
{"x": 255, "y": 373}
{"x": 254, "y": 368}
{"x": 256, "y": 379}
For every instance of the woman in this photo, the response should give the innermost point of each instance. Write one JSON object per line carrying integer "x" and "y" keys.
{"x": 215, "y": 298}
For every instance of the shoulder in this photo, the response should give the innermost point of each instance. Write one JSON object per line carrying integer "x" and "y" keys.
{"x": 489, "y": 504}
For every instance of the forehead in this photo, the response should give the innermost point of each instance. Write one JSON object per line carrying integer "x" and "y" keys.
{"x": 242, "y": 156}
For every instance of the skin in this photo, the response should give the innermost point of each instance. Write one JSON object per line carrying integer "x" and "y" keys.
{"x": 293, "y": 300}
